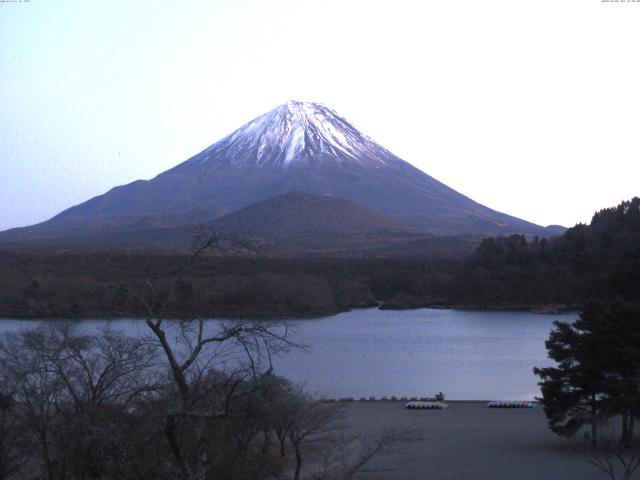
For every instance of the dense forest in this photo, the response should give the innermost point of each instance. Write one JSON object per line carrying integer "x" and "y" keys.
{"x": 601, "y": 259}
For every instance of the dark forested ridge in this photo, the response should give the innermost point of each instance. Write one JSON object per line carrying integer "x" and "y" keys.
{"x": 589, "y": 261}
{"x": 80, "y": 285}
{"x": 599, "y": 260}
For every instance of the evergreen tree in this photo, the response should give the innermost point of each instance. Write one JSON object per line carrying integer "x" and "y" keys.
{"x": 598, "y": 370}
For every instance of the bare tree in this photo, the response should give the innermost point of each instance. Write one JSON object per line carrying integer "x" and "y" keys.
{"x": 37, "y": 393}
{"x": 315, "y": 431}
{"x": 347, "y": 457}
{"x": 107, "y": 368}
{"x": 11, "y": 460}
{"x": 617, "y": 459}
{"x": 72, "y": 393}
{"x": 194, "y": 349}
{"x": 310, "y": 423}
{"x": 278, "y": 400}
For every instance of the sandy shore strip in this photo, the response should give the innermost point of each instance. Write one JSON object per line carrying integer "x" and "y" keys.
{"x": 470, "y": 441}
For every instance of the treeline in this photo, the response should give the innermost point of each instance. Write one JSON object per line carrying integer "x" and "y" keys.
{"x": 74, "y": 285}
{"x": 596, "y": 261}
{"x": 599, "y": 260}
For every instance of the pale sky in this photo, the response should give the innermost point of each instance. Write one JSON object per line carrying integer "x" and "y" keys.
{"x": 528, "y": 107}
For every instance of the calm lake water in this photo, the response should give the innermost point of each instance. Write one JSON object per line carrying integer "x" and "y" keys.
{"x": 467, "y": 355}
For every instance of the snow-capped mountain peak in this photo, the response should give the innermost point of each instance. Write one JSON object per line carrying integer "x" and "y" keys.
{"x": 295, "y": 133}
{"x": 296, "y": 147}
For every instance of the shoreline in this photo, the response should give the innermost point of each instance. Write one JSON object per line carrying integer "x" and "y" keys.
{"x": 363, "y": 400}
{"x": 537, "y": 309}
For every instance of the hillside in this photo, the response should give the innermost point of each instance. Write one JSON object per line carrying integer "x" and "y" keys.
{"x": 299, "y": 214}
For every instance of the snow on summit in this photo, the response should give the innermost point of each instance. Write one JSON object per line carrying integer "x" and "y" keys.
{"x": 296, "y": 133}
{"x": 296, "y": 147}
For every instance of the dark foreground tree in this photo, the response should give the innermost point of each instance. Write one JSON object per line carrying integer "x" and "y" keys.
{"x": 71, "y": 393}
{"x": 11, "y": 461}
{"x": 598, "y": 370}
{"x": 94, "y": 407}
{"x": 214, "y": 369}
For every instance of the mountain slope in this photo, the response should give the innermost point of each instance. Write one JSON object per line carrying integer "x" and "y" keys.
{"x": 297, "y": 146}
{"x": 298, "y": 214}
{"x": 298, "y": 223}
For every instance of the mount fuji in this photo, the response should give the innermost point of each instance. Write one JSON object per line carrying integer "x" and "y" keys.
{"x": 296, "y": 147}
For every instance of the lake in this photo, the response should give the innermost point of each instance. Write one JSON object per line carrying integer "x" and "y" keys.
{"x": 466, "y": 354}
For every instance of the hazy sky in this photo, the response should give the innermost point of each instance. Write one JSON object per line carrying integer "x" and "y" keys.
{"x": 529, "y": 107}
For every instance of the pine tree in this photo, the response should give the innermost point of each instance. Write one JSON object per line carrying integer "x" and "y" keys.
{"x": 598, "y": 370}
